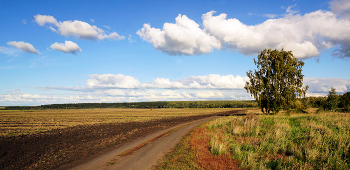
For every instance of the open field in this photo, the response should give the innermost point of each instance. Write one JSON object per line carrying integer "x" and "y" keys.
{"x": 64, "y": 138}
{"x": 283, "y": 141}
{"x": 17, "y": 122}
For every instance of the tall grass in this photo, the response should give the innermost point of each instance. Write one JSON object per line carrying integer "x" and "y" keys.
{"x": 318, "y": 141}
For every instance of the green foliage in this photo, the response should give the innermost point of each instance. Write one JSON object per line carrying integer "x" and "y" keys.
{"x": 278, "y": 80}
{"x": 329, "y": 103}
{"x": 344, "y": 101}
{"x": 332, "y": 100}
{"x": 316, "y": 101}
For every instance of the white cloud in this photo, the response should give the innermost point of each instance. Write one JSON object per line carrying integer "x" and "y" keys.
{"x": 341, "y": 8}
{"x": 313, "y": 32}
{"x": 116, "y": 36}
{"x": 67, "y": 47}
{"x": 120, "y": 81}
{"x": 214, "y": 81}
{"x": 24, "y": 21}
{"x": 108, "y": 27}
{"x": 23, "y": 46}
{"x": 115, "y": 88}
{"x": 187, "y": 95}
{"x": 270, "y": 15}
{"x": 43, "y": 19}
{"x": 78, "y": 29}
{"x": 163, "y": 83}
{"x": 305, "y": 35}
{"x": 92, "y": 20}
{"x": 112, "y": 81}
{"x": 323, "y": 85}
{"x": 289, "y": 9}
{"x": 122, "y": 88}
{"x": 209, "y": 94}
{"x": 9, "y": 52}
{"x": 211, "y": 81}
{"x": 130, "y": 39}
{"x": 182, "y": 38}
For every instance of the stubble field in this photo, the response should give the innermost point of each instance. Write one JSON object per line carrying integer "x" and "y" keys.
{"x": 23, "y": 122}
{"x": 51, "y": 139}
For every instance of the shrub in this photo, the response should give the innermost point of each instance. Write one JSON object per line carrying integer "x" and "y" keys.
{"x": 344, "y": 101}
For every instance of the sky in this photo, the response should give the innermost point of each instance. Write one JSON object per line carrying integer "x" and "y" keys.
{"x": 129, "y": 51}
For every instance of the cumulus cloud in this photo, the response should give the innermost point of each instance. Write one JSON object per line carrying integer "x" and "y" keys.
{"x": 43, "y": 19}
{"x": 19, "y": 98}
{"x": 109, "y": 87}
{"x": 306, "y": 35}
{"x": 123, "y": 88}
{"x": 323, "y": 85}
{"x": 341, "y": 8}
{"x": 209, "y": 94}
{"x": 211, "y": 81}
{"x": 78, "y": 29}
{"x": 67, "y": 47}
{"x": 182, "y": 38}
{"x": 24, "y": 46}
{"x": 215, "y": 81}
{"x": 292, "y": 33}
{"x": 112, "y": 81}
{"x": 164, "y": 83}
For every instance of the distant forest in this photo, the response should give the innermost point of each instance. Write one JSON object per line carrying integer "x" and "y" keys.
{"x": 157, "y": 104}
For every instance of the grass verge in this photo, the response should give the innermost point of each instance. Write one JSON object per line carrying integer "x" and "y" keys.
{"x": 300, "y": 141}
{"x": 193, "y": 152}
{"x": 284, "y": 141}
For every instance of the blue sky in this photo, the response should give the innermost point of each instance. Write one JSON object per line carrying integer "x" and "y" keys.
{"x": 123, "y": 51}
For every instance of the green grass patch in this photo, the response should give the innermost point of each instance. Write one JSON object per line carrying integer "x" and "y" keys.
{"x": 298, "y": 141}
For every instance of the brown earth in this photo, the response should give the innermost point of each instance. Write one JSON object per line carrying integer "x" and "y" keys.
{"x": 66, "y": 148}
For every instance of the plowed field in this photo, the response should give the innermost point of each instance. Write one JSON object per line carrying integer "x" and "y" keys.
{"x": 66, "y": 147}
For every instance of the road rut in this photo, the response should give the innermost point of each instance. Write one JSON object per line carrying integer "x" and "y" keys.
{"x": 145, "y": 157}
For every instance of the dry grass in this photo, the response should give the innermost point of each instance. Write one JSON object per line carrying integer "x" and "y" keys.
{"x": 195, "y": 152}
{"x": 17, "y": 122}
{"x": 293, "y": 141}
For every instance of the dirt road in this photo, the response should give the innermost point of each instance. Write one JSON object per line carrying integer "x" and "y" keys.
{"x": 145, "y": 157}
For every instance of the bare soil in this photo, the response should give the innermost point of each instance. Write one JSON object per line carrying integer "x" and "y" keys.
{"x": 66, "y": 148}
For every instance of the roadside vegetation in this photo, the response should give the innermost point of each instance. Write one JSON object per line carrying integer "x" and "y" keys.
{"x": 288, "y": 140}
{"x": 300, "y": 141}
{"x": 299, "y": 137}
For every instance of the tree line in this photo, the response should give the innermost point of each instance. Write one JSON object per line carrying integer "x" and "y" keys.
{"x": 155, "y": 104}
{"x": 331, "y": 102}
